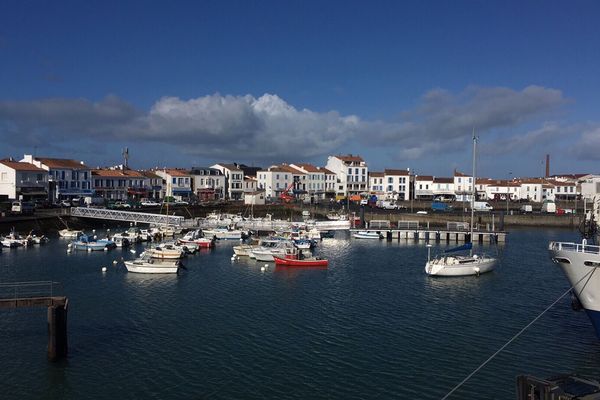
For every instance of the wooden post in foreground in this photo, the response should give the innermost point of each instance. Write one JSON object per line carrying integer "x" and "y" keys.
{"x": 57, "y": 331}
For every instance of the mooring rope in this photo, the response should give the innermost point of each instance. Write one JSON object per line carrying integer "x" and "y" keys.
{"x": 515, "y": 336}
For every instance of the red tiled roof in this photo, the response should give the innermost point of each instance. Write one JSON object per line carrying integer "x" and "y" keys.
{"x": 150, "y": 174}
{"x": 458, "y": 173}
{"x": 376, "y": 174}
{"x": 424, "y": 178}
{"x": 396, "y": 172}
{"x": 21, "y": 166}
{"x": 176, "y": 172}
{"x": 349, "y": 158}
{"x": 117, "y": 173}
{"x": 326, "y": 171}
{"x": 308, "y": 167}
{"x": 61, "y": 163}
{"x": 443, "y": 180}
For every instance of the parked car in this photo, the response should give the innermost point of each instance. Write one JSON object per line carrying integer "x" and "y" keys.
{"x": 422, "y": 212}
{"x": 389, "y": 205}
{"x": 65, "y": 203}
{"x": 364, "y": 202}
{"x": 150, "y": 203}
{"x": 482, "y": 206}
{"x": 181, "y": 203}
{"x": 121, "y": 204}
{"x": 526, "y": 208}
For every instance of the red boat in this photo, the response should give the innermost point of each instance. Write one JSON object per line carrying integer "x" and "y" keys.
{"x": 307, "y": 262}
{"x": 202, "y": 243}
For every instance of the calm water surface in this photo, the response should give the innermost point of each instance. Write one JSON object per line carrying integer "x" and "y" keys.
{"x": 371, "y": 326}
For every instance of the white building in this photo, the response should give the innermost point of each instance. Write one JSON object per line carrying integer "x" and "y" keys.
{"x": 22, "y": 181}
{"x": 177, "y": 183}
{"x": 443, "y": 187}
{"x": 66, "y": 178}
{"x": 314, "y": 181}
{"x": 423, "y": 187}
{"x": 536, "y": 190}
{"x": 397, "y": 184}
{"x": 463, "y": 186}
{"x": 351, "y": 174}
{"x": 279, "y": 178}
{"x": 250, "y": 184}
{"x": 500, "y": 190}
{"x": 564, "y": 190}
{"x": 590, "y": 186}
{"x": 234, "y": 180}
{"x": 208, "y": 184}
{"x": 330, "y": 182}
{"x": 376, "y": 185}
{"x": 153, "y": 185}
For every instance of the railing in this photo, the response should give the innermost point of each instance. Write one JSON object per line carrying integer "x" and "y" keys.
{"x": 576, "y": 247}
{"x": 19, "y": 290}
{"x": 130, "y": 216}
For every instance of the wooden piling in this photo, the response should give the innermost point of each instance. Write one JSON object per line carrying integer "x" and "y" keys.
{"x": 57, "y": 332}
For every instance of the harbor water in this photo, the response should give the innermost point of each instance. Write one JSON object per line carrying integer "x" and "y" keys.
{"x": 371, "y": 326}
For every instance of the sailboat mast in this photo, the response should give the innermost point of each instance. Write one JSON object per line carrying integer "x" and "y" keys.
{"x": 474, "y": 191}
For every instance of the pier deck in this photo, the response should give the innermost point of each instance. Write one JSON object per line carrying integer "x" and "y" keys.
{"x": 439, "y": 235}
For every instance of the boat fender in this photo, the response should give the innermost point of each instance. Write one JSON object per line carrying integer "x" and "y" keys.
{"x": 103, "y": 269}
{"x": 477, "y": 271}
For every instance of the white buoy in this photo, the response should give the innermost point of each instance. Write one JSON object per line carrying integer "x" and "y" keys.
{"x": 103, "y": 269}
{"x": 89, "y": 249}
{"x": 105, "y": 248}
{"x": 262, "y": 269}
{"x": 93, "y": 231}
{"x": 132, "y": 251}
{"x": 68, "y": 251}
{"x": 115, "y": 262}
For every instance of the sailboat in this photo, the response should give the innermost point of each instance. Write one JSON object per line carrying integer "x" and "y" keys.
{"x": 449, "y": 264}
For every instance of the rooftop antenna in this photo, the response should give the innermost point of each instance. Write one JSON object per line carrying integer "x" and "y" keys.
{"x": 126, "y": 157}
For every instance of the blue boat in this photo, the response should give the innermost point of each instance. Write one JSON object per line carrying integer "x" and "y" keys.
{"x": 90, "y": 244}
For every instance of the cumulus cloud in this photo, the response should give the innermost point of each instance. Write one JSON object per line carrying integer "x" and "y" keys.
{"x": 269, "y": 129}
{"x": 587, "y": 145}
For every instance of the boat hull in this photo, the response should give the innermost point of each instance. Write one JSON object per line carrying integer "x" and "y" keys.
{"x": 201, "y": 243}
{"x": 366, "y": 235}
{"x": 477, "y": 267}
{"x": 299, "y": 263}
{"x": 585, "y": 281}
{"x": 146, "y": 268}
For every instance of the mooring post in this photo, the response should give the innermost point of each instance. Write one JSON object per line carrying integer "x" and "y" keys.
{"x": 57, "y": 331}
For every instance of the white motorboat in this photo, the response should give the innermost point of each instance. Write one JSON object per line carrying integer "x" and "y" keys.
{"x": 148, "y": 265}
{"x": 263, "y": 253}
{"x": 197, "y": 237}
{"x": 580, "y": 262}
{"x": 91, "y": 244}
{"x": 367, "y": 235}
{"x": 461, "y": 265}
{"x": 243, "y": 250}
{"x": 165, "y": 251}
{"x": 13, "y": 239}
{"x": 223, "y": 233}
{"x": 35, "y": 239}
{"x": 70, "y": 233}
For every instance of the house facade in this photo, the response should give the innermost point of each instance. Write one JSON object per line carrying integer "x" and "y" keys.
{"x": 23, "y": 181}
{"x": 117, "y": 184}
{"x": 177, "y": 183}
{"x": 351, "y": 174}
{"x": 66, "y": 178}
{"x": 314, "y": 181}
{"x": 397, "y": 184}
{"x": 234, "y": 180}
{"x": 208, "y": 184}
{"x": 463, "y": 186}
{"x": 423, "y": 187}
{"x": 279, "y": 178}
{"x": 376, "y": 186}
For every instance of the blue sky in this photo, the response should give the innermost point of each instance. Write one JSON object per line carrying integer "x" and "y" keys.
{"x": 401, "y": 83}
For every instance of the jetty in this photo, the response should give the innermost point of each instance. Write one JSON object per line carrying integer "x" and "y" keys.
{"x": 41, "y": 294}
{"x": 411, "y": 230}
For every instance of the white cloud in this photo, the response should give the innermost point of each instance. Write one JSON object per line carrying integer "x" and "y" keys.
{"x": 269, "y": 129}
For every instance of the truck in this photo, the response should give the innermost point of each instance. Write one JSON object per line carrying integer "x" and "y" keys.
{"x": 526, "y": 208}
{"x": 440, "y": 206}
{"x": 549, "y": 207}
{"x": 482, "y": 206}
{"x": 93, "y": 201}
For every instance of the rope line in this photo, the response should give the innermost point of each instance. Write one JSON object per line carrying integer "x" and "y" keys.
{"x": 515, "y": 336}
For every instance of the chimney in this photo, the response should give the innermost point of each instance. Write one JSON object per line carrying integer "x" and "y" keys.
{"x": 547, "y": 165}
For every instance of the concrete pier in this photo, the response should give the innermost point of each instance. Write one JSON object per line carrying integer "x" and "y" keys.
{"x": 441, "y": 235}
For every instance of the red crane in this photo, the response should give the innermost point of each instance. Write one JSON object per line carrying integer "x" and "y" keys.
{"x": 285, "y": 195}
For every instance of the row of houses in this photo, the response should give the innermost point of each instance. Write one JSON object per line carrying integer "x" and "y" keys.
{"x": 343, "y": 176}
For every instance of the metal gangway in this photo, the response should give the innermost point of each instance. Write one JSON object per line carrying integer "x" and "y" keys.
{"x": 129, "y": 216}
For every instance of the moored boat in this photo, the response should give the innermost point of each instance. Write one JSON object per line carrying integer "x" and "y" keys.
{"x": 165, "y": 251}
{"x": 367, "y": 235}
{"x": 70, "y": 233}
{"x": 197, "y": 237}
{"x": 305, "y": 262}
{"x": 223, "y": 233}
{"x": 579, "y": 262}
{"x": 148, "y": 265}
{"x": 89, "y": 244}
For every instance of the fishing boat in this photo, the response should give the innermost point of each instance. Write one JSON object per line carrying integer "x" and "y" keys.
{"x": 35, "y": 239}
{"x": 367, "y": 235}
{"x": 197, "y": 237}
{"x": 90, "y": 244}
{"x": 306, "y": 262}
{"x": 13, "y": 239}
{"x": 447, "y": 264}
{"x": 145, "y": 264}
{"x": 70, "y": 233}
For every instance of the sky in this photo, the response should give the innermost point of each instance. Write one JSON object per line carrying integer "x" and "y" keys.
{"x": 401, "y": 83}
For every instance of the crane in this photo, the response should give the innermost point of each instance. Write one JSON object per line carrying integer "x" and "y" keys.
{"x": 285, "y": 195}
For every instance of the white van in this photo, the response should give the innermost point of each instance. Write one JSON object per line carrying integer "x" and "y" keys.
{"x": 482, "y": 206}
{"x": 549, "y": 206}
{"x": 22, "y": 208}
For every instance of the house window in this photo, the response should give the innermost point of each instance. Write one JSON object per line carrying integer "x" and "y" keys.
{"x": 390, "y": 180}
{"x": 390, "y": 188}
{"x": 174, "y": 180}
{"x": 349, "y": 171}
{"x": 356, "y": 171}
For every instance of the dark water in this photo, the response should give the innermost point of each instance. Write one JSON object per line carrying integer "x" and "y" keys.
{"x": 372, "y": 326}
